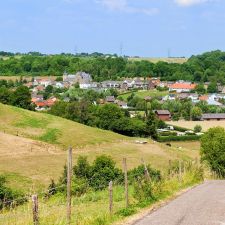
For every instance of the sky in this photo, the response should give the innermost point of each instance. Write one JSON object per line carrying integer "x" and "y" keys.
{"x": 148, "y": 28}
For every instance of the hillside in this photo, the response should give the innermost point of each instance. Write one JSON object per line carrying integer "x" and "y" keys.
{"x": 38, "y": 153}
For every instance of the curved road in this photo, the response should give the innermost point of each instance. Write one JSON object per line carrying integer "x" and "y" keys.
{"x": 203, "y": 205}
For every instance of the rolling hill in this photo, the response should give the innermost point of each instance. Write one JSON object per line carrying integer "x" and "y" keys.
{"x": 32, "y": 147}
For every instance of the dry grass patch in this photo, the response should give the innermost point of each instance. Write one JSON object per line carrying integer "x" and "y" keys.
{"x": 204, "y": 124}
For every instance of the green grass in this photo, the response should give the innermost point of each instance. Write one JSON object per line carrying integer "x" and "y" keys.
{"x": 92, "y": 208}
{"x": 38, "y": 152}
{"x": 143, "y": 94}
{"x": 52, "y": 129}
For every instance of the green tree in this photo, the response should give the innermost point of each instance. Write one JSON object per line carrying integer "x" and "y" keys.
{"x": 196, "y": 113}
{"x": 213, "y": 149}
{"x": 21, "y": 97}
{"x": 5, "y": 95}
{"x": 151, "y": 125}
{"x": 212, "y": 88}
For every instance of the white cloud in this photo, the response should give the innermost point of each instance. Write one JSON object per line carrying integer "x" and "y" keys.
{"x": 187, "y": 3}
{"x": 123, "y": 6}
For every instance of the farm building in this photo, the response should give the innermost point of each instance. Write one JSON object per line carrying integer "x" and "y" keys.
{"x": 213, "y": 116}
{"x": 164, "y": 115}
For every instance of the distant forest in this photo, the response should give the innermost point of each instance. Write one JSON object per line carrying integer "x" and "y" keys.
{"x": 209, "y": 66}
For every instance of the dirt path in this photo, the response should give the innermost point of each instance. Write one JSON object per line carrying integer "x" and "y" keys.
{"x": 203, "y": 205}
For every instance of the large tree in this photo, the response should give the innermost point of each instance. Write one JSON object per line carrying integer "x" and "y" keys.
{"x": 213, "y": 149}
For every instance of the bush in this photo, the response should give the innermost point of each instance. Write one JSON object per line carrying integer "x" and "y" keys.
{"x": 7, "y": 195}
{"x": 178, "y": 138}
{"x": 197, "y": 129}
{"x": 139, "y": 173}
{"x": 168, "y": 133}
{"x": 213, "y": 149}
{"x": 177, "y": 128}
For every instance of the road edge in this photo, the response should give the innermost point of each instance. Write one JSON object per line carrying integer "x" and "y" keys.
{"x": 145, "y": 212}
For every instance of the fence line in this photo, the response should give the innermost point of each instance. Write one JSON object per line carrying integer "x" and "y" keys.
{"x": 70, "y": 204}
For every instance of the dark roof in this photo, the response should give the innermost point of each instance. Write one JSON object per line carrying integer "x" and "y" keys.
{"x": 110, "y": 98}
{"x": 162, "y": 112}
{"x": 213, "y": 116}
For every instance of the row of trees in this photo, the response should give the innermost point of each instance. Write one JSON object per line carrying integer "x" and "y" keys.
{"x": 207, "y": 67}
{"x": 108, "y": 117}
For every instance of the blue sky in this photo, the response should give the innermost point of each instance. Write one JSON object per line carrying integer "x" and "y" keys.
{"x": 142, "y": 27}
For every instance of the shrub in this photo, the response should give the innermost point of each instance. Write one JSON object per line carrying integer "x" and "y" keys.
{"x": 139, "y": 173}
{"x": 178, "y": 138}
{"x": 213, "y": 149}
{"x": 177, "y": 128}
{"x": 197, "y": 129}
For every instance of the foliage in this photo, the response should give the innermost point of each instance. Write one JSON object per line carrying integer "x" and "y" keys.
{"x": 197, "y": 128}
{"x": 151, "y": 125}
{"x": 199, "y": 68}
{"x": 178, "y": 138}
{"x": 213, "y": 149}
{"x": 196, "y": 113}
{"x": 7, "y": 195}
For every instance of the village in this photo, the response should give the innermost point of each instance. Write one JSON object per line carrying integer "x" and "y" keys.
{"x": 179, "y": 90}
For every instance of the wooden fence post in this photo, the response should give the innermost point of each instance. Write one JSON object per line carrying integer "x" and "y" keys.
{"x": 111, "y": 197}
{"x": 126, "y": 181}
{"x": 147, "y": 176}
{"x": 69, "y": 180}
{"x": 35, "y": 209}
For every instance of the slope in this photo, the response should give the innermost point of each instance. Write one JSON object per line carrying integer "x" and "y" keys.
{"x": 38, "y": 153}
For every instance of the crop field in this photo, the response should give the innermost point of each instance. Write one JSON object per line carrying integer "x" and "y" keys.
{"x": 143, "y": 94}
{"x": 204, "y": 124}
{"x": 155, "y": 60}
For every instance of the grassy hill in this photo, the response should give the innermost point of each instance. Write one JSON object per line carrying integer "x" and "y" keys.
{"x": 51, "y": 129}
{"x": 38, "y": 153}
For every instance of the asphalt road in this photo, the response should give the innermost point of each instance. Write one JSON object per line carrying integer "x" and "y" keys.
{"x": 203, "y": 205}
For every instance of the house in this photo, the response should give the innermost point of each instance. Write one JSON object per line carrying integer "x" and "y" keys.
{"x": 79, "y": 77}
{"x": 194, "y": 98}
{"x": 213, "y": 100}
{"x": 204, "y": 98}
{"x": 121, "y": 104}
{"x": 110, "y": 99}
{"x": 213, "y": 116}
{"x": 110, "y": 84}
{"x": 180, "y": 87}
{"x": 164, "y": 115}
{"x": 170, "y": 97}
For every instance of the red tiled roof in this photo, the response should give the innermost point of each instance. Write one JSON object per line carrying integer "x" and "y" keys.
{"x": 183, "y": 86}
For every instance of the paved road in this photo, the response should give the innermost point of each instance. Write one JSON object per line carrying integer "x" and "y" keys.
{"x": 203, "y": 205}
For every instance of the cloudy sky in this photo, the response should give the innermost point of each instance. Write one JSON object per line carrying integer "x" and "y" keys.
{"x": 137, "y": 27}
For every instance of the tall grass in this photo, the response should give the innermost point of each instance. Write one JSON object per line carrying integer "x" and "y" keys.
{"x": 92, "y": 207}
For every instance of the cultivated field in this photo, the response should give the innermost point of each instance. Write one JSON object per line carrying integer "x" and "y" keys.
{"x": 205, "y": 124}
{"x": 155, "y": 60}
{"x": 38, "y": 153}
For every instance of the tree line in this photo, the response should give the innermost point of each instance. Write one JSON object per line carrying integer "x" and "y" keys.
{"x": 209, "y": 66}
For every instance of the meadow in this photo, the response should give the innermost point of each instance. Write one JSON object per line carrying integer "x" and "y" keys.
{"x": 38, "y": 153}
{"x": 145, "y": 93}
{"x": 33, "y": 151}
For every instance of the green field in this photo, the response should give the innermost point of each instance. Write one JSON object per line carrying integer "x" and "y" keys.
{"x": 38, "y": 152}
{"x": 143, "y": 94}
{"x": 30, "y": 160}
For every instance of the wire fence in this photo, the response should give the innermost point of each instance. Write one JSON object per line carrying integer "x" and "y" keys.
{"x": 39, "y": 205}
